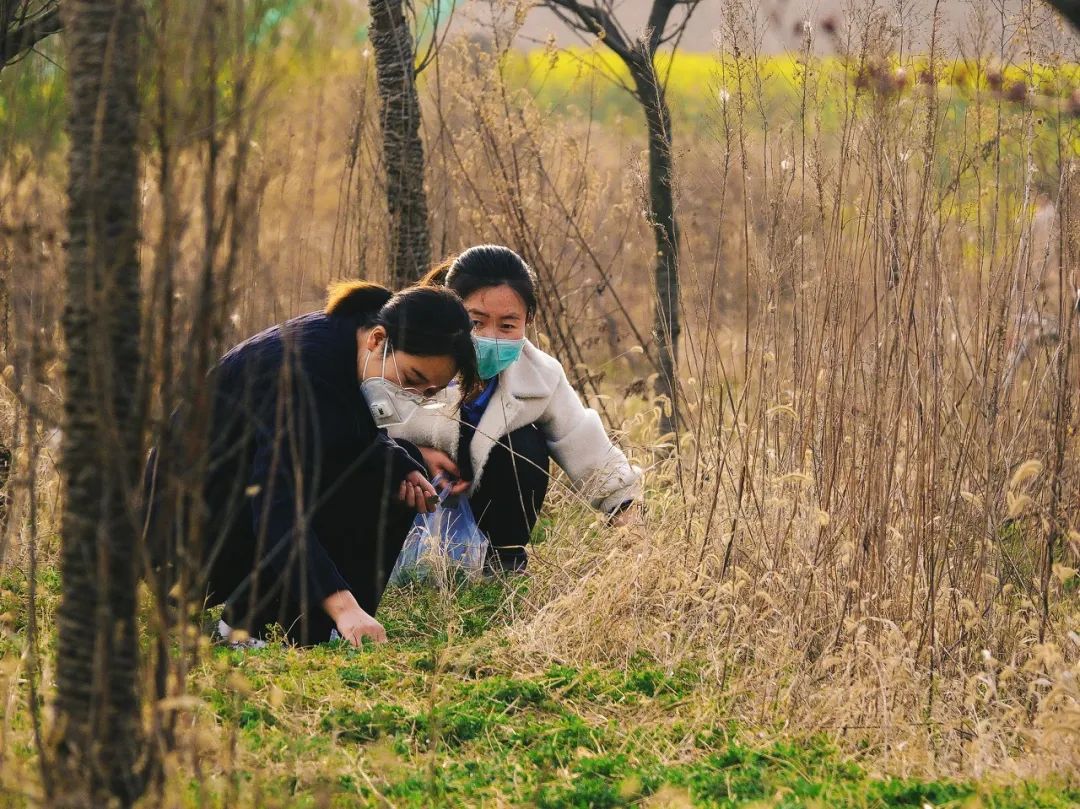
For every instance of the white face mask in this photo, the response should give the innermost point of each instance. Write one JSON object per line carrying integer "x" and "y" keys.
{"x": 391, "y": 404}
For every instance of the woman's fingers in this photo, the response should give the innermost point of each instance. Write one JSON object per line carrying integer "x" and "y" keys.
{"x": 356, "y": 625}
{"x": 451, "y": 470}
{"x": 376, "y": 633}
{"x": 422, "y": 496}
{"x": 425, "y": 502}
{"x": 425, "y": 486}
{"x": 630, "y": 517}
{"x": 417, "y": 493}
{"x": 420, "y": 500}
{"x": 450, "y": 467}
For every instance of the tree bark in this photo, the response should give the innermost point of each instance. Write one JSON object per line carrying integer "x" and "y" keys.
{"x": 403, "y": 151}
{"x": 639, "y": 56}
{"x": 97, "y": 743}
{"x": 667, "y": 326}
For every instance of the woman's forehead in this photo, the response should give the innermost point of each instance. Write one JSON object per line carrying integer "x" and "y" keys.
{"x": 500, "y": 301}
{"x": 433, "y": 370}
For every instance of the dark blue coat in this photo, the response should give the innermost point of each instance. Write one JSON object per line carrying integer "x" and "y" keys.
{"x": 290, "y": 428}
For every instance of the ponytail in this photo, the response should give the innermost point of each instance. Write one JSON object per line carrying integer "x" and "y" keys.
{"x": 360, "y": 301}
{"x": 436, "y": 276}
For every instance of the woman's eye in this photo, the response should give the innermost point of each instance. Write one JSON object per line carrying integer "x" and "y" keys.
{"x": 477, "y": 324}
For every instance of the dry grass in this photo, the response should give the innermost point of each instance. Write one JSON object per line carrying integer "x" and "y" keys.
{"x": 870, "y": 527}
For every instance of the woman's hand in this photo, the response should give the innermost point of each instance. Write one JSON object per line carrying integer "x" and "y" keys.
{"x": 439, "y": 463}
{"x": 631, "y": 516}
{"x": 416, "y": 492}
{"x": 353, "y": 624}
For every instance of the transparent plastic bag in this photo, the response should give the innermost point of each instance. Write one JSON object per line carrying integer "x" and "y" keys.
{"x": 442, "y": 544}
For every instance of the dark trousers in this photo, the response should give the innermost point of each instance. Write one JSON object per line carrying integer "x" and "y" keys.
{"x": 362, "y": 526}
{"x": 511, "y": 492}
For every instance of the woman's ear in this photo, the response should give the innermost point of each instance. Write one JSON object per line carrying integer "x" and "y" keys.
{"x": 375, "y": 338}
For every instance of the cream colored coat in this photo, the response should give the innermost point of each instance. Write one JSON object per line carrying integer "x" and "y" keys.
{"x": 535, "y": 390}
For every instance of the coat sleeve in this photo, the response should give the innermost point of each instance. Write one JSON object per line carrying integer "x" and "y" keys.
{"x": 292, "y": 552}
{"x": 580, "y": 445}
{"x": 284, "y": 478}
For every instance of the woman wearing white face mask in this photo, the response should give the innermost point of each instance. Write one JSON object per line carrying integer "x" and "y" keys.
{"x": 307, "y": 500}
{"x": 499, "y": 445}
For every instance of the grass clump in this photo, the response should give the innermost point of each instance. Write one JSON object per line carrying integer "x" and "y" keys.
{"x": 364, "y": 725}
{"x": 349, "y": 725}
{"x": 341, "y": 726}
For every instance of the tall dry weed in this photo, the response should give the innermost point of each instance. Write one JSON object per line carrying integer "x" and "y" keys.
{"x": 870, "y": 530}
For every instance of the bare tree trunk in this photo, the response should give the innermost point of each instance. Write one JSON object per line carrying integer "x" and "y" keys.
{"x": 667, "y": 326}
{"x": 639, "y": 55}
{"x": 98, "y": 735}
{"x": 403, "y": 151}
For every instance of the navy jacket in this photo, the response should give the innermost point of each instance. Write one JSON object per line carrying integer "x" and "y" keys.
{"x": 289, "y": 425}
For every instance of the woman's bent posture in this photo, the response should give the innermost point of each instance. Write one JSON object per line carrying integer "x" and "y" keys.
{"x": 307, "y": 501}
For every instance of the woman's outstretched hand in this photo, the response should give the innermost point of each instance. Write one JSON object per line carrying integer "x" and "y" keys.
{"x": 439, "y": 463}
{"x": 353, "y": 624}
{"x": 416, "y": 492}
{"x": 630, "y": 517}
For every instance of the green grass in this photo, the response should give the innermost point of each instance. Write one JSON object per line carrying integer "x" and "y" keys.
{"x": 435, "y": 718}
{"x": 430, "y": 719}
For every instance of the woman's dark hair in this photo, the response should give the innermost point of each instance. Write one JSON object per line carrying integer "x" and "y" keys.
{"x": 484, "y": 266}
{"x": 422, "y": 320}
{"x": 357, "y": 300}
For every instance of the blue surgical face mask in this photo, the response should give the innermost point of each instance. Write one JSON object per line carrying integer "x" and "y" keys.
{"x": 495, "y": 355}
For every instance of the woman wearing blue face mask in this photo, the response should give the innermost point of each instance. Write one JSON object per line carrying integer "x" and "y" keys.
{"x": 307, "y": 500}
{"x": 499, "y": 444}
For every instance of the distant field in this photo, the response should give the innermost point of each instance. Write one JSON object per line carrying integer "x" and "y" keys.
{"x": 587, "y": 81}
{"x": 698, "y": 83}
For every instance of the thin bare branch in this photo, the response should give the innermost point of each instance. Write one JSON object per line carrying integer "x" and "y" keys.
{"x": 16, "y": 41}
{"x": 597, "y": 21}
